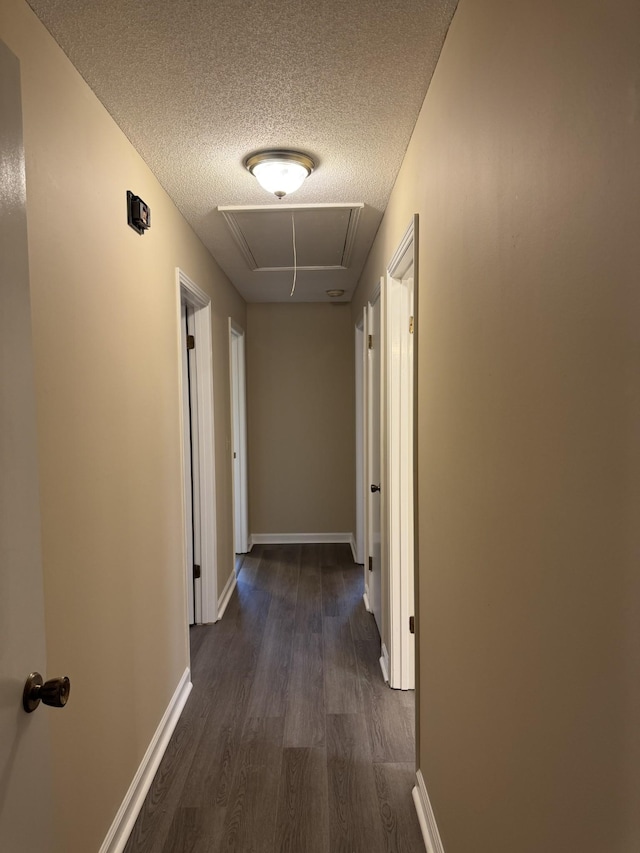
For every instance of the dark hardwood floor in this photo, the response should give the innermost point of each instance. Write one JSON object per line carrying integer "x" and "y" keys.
{"x": 290, "y": 741}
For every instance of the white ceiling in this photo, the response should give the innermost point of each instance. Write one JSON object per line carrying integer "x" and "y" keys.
{"x": 197, "y": 85}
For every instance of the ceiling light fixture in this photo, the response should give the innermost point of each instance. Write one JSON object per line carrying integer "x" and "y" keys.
{"x": 335, "y": 293}
{"x": 280, "y": 172}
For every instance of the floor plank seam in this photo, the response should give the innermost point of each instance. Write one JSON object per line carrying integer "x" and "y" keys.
{"x": 320, "y": 765}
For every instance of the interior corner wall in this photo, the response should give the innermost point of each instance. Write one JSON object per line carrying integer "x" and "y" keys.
{"x": 105, "y": 332}
{"x": 301, "y": 418}
{"x": 524, "y": 168}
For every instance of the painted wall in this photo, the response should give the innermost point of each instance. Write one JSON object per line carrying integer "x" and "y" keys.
{"x": 525, "y": 170}
{"x": 301, "y": 418}
{"x": 107, "y": 364}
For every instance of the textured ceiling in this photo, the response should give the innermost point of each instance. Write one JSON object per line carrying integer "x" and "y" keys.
{"x": 197, "y": 85}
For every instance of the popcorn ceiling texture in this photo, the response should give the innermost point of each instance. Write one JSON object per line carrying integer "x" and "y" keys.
{"x": 196, "y": 85}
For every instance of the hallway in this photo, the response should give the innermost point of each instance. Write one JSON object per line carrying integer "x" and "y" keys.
{"x": 290, "y": 740}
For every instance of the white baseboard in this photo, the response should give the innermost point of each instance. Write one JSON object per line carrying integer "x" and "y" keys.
{"x": 299, "y": 538}
{"x": 123, "y": 822}
{"x": 384, "y": 663}
{"x": 227, "y": 592}
{"x": 354, "y": 547}
{"x": 426, "y": 818}
{"x": 367, "y": 605}
{"x": 250, "y": 543}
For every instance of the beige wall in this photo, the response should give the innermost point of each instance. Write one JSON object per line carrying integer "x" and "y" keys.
{"x": 525, "y": 170}
{"x": 301, "y": 418}
{"x": 106, "y": 361}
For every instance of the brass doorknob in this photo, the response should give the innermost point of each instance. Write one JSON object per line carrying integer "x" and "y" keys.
{"x": 54, "y": 692}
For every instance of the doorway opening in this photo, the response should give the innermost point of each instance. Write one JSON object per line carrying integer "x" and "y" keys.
{"x": 194, "y": 308}
{"x": 360, "y": 354}
{"x": 239, "y": 435}
{"x": 399, "y": 411}
{"x": 374, "y": 488}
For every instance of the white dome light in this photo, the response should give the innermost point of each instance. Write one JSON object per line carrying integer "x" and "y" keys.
{"x": 280, "y": 172}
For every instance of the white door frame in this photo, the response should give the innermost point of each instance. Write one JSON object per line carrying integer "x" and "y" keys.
{"x": 366, "y": 326}
{"x": 399, "y": 457}
{"x": 189, "y": 457}
{"x": 238, "y": 382}
{"x": 189, "y": 292}
{"x": 360, "y": 355}
{"x": 370, "y": 500}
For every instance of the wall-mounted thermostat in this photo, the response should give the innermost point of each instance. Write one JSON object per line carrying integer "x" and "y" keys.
{"x": 138, "y": 213}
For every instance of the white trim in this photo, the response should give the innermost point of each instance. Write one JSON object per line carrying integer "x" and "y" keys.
{"x": 238, "y": 385}
{"x": 268, "y": 208}
{"x": 384, "y": 662}
{"x": 227, "y": 592}
{"x": 426, "y": 818}
{"x": 354, "y": 549}
{"x": 185, "y": 441}
{"x": 300, "y": 538}
{"x": 360, "y": 357}
{"x": 250, "y": 542}
{"x": 403, "y": 256}
{"x": 190, "y": 292}
{"x": 365, "y": 598}
{"x": 124, "y": 820}
{"x": 374, "y": 467}
{"x": 399, "y": 462}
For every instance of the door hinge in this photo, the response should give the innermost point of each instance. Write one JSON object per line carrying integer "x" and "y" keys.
{"x": 410, "y": 325}
{"x": 412, "y": 624}
{"x": 370, "y": 341}
{"x": 370, "y": 564}
{"x": 234, "y": 454}
{"x": 196, "y": 572}
{"x": 191, "y": 342}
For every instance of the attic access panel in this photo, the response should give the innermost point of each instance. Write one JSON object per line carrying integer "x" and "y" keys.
{"x": 325, "y": 234}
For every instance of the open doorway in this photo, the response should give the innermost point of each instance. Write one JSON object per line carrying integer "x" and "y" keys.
{"x": 358, "y": 547}
{"x": 191, "y": 464}
{"x": 399, "y": 457}
{"x": 389, "y": 459}
{"x": 374, "y": 595}
{"x": 194, "y": 308}
{"x": 239, "y": 434}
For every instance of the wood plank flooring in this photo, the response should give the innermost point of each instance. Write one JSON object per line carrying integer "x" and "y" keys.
{"x": 290, "y": 741}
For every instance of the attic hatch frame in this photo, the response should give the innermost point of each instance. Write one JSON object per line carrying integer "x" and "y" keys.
{"x": 229, "y": 213}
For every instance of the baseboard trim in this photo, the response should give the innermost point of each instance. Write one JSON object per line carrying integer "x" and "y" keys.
{"x": 367, "y": 606}
{"x": 384, "y": 663}
{"x": 354, "y": 547}
{"x": 300, "y": 538}
{"x": 124, "y": 820}
{"x": 249, "y": 543}
{"x": 227, "y": 592}
{"x": 426, "y": 818}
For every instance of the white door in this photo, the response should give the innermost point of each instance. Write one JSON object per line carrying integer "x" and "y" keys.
{"x": 199, "y": 459}
{"x": 375, "y": 467}
{"x": 361, "y": 498}
{"x": 191, "y": 467}
{"x": 25, "y": 781}
{"x": 398, "y": 305}
{"x": 239, "y": 427}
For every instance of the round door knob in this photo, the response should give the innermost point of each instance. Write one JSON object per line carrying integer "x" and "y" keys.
{"x": 375, "y": 488}
{"x": 54, "y": 692}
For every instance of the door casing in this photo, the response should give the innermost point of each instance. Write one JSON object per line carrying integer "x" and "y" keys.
{"x": 189, "y": 293}
{"x": 374, "y": 564}
{"x": 399, "y": 464}
{"x": 239, "y": 433}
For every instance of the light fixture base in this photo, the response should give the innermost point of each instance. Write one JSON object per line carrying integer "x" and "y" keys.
{"x": 280, "y": 171}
